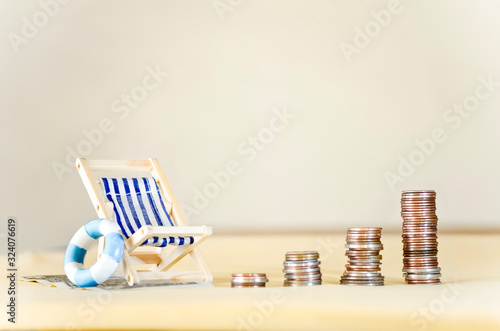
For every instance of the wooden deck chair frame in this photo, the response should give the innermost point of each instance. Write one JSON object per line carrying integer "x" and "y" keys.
{"x": 154, "y": 262}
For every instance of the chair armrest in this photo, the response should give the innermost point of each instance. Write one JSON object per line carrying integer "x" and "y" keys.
{"x": 178, "y": 230}
{"x": 149, "y": 231}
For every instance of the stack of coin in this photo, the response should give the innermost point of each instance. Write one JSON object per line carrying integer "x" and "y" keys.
{"x": 420, "y": 264}
{"x": 249, "y": 280}
{"x": 302, "y": 269}
{"x": 363, "y": 250}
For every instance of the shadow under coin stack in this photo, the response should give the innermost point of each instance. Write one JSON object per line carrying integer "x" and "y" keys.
{"x": 302, "y": 269}
{"x": 420, "y": 264}
{"x": 363, "y": 250}
{"x": 249, "y": 280}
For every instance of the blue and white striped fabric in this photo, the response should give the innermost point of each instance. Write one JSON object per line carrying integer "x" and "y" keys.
{"x": 137, "y": 202}
{"x": 80, "y": 243}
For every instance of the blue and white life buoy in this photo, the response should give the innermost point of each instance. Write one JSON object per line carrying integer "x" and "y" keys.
{"x": 105, "y": 265}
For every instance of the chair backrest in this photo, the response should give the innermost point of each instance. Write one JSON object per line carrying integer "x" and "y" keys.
{"x": 134, "y": 168}
{"x": 136, "y": 202}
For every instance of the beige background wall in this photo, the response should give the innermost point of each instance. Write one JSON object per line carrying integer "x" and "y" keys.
{"x": 204, "y": 77}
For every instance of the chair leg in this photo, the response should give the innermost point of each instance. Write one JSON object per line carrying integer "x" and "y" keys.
{"x": 198, "y": 260}
{"x": 169, "y": 259}
{"x": 129, "y": 271}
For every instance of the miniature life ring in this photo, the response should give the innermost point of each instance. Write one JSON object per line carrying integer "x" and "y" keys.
{"x": 105, "y": 265}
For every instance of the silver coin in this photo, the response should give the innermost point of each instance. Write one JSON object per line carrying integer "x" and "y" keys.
{"x": 295, "y": 270}
{"x": 423, "y": 271}
{"x": 363, "y": 274}
{"x": 361, "y": 281}
{"x": 421, "y": 277}
{"x": 307, "y": 263}
{"x": 301, "y": 252}
{"x": 355, "y": 278}
{"x": 301, "y": 283}
{"x": 368, "y": 283}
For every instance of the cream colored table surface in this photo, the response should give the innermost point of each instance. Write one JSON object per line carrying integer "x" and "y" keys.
{"x": 468, "y": 299}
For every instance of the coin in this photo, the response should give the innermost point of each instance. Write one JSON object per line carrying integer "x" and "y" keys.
{"x": 260, "y": 275}
{"x": 355, "y": 274}
{"x": 301, "y": 255}
{"x": 367, "y": 283}
{"x": 305, "y": 263}
{"x": 290, "y": 277}
{"x": 366, "y": 262}
{"x": 302, "y": 283}
{"x": 364, "y": 230}
{"x": 423, "y": 270}
{"x": 359, "y": 279}
{"x": 368, "y": 246}
{"x": 249, "y": 280}
{"x": 423, "y": 281}
{"x": 421, "y": 276}
{"x": 301, "y": 270}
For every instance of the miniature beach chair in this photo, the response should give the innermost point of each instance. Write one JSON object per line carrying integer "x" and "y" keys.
{"x": 156, "y": 232}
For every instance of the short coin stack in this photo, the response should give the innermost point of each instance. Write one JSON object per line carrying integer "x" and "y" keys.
{"x": 420, "y": 264}
{"x": 363, "y": 249}
{"x": 302, "y": 268}
{"x": 249, "y": 280}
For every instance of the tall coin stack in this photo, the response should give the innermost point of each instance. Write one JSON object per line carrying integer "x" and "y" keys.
{"x": 363, "y": 250}
{"x": 302, "y": 268}
{"x": 420, "y": 264}
{"x": 249, "y": 280}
